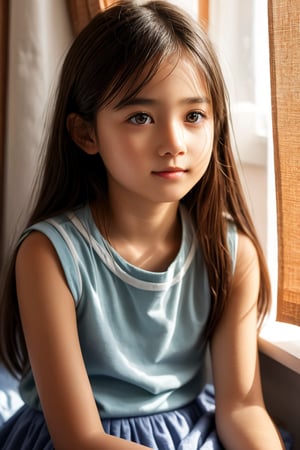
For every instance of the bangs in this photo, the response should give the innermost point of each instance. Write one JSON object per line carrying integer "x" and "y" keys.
{"x": 144, "y": 37}
{"x": 127, "y": 85}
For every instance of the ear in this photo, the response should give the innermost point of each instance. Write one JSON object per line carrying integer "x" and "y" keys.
{"x": 82, "y": 133}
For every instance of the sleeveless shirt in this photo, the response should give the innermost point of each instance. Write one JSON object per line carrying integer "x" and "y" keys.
{"x": 140, "y": 332}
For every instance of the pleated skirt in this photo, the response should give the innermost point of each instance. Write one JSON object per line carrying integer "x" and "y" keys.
{"x": 189, "y": 428}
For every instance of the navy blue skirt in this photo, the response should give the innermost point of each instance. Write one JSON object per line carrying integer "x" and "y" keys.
{"x": 189, "y": 428}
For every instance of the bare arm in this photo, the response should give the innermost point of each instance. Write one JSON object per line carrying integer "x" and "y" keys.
{"x": 241, "y": 418}
{"x": 49, "y": 322}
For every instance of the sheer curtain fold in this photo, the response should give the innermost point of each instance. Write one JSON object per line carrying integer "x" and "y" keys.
{"x": 284, "y": 38}
{"x": 35, "y": 55}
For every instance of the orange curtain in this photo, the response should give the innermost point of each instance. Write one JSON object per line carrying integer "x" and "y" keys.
{"x": 4, "y": 16}
{"x": 82, "y": 11}
{"x": 284, "y": 38}
{"x": 203, "y": 12}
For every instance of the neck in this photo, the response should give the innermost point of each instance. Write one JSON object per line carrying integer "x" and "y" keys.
{"x": 147, "y": 236}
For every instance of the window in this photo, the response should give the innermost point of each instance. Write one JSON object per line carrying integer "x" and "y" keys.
{"x": 240, "y": 33}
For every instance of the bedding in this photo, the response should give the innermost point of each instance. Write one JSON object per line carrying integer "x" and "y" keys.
{"x": 10, "y": 399}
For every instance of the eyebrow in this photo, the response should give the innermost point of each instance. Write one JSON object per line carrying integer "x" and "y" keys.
{"x": 143, "y": 101}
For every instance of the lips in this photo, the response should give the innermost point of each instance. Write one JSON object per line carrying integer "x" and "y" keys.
{"x": 170, "y": 172}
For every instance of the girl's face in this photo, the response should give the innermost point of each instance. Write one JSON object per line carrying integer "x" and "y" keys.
{"x": 158, "y": 145}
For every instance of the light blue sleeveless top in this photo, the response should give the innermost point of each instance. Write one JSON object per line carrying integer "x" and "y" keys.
{"x": 140, "y": 332}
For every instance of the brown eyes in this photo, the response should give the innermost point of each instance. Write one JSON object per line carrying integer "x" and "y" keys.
{"x": 142, "y": 118}
{"x": 194, "y": 117}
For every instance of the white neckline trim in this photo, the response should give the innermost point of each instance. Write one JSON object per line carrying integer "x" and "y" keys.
{"x": 124, "y": 276}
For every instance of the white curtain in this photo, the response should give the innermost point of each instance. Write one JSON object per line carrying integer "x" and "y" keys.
{"x": 40, "y": 33}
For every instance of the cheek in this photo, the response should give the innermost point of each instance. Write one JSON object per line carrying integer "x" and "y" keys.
{"x": 203, "y": 162}
{"x": 203, "y": 146}
{"x": 120, "y": 159}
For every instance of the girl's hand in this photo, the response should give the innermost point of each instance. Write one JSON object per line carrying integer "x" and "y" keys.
{"x": 48, "y": 317}
{"x": 241, "y": 418}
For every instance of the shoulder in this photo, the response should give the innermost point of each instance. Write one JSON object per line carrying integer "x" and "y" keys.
{"x": 58, "y": 225}
{"x": 246, "y": 248}
{"x": 35, "y": 255}
{"x": 32, "y": 246}
{"x": 40, "y": 241}
{"x": 242, "y": 249}
{"x": 245, "y": 282}
{"x": 56, "y": 242}
{"x": 246, "y": 258}
{"x": 57, "y": 233}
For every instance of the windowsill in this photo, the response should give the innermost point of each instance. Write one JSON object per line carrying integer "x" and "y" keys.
{"x": 281, "y": 341}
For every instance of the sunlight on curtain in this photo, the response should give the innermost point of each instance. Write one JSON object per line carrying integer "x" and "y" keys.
{"x": 203, "y": 12}
{"x": 284, "y": 20}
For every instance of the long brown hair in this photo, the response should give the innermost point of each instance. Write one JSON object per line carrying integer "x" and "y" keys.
{"x": 108, "y": 56}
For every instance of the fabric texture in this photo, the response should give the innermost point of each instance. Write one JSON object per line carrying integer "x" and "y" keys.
{"x": 284, "y": 38}
{"x": 142, "y": 318}
{"x": 191, "y": 427}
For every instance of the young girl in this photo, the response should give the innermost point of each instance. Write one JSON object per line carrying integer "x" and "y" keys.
{"x": 140, "y": 253}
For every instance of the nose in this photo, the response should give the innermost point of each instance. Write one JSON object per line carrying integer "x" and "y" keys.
{"x": 172, "y": 140}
